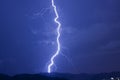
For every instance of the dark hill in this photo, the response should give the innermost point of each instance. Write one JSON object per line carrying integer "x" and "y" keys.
{"x": 60, "y": 76}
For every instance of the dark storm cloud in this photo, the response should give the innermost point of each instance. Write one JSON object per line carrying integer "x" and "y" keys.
{"x": 112, "y": 45}
{"x": 104, "y": 23}
{"x": 95, "y": 33}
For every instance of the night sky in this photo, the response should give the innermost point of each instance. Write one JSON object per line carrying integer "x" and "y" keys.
{"x": 90, "y": 36}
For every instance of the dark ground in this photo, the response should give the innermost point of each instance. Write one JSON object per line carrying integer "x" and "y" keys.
{"x": 60, "y": 76}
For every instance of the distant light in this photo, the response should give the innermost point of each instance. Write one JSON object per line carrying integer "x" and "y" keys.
{"x": 112, "y": 78}
{"x": 118, "y": 78}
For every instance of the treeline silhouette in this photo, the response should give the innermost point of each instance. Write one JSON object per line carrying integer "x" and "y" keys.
{"x": 59, "y": 76}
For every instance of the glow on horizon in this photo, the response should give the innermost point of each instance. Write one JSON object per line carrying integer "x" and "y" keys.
{"x": 57, "y": 38}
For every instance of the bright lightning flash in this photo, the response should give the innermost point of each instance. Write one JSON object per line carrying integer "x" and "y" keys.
{"x": 57, "y": 38}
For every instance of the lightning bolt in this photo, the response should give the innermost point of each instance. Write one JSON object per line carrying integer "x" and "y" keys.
{"x": 57, "y": 38}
